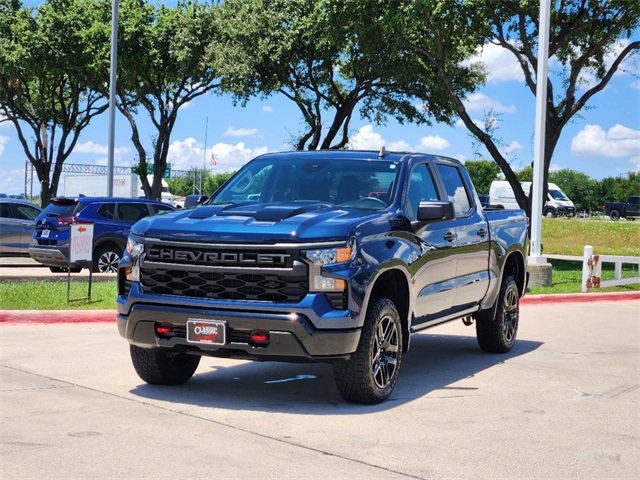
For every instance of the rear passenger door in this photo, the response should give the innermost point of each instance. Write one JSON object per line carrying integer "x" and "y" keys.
{"x": 472, "y": 248}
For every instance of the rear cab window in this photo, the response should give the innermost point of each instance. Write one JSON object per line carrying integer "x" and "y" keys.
{"x": 455, "y": 189}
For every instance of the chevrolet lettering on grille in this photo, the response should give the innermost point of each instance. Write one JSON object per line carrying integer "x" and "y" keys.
{"x": 219, "y": 258}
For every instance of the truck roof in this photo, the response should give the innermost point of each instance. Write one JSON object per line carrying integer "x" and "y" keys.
{"x": 381, "y": 155}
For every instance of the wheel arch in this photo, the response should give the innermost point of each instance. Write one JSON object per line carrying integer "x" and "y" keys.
{"x": 394, "y": 285}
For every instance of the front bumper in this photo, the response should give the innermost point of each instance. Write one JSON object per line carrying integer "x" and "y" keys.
{"x": 292, "y": 337}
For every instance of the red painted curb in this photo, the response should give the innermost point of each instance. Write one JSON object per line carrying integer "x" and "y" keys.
{"x": 57, "y": 316}
{"x": 579, "y": 298}
{"x": 109, "y": 316}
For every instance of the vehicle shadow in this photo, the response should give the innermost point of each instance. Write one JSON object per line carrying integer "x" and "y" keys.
{"x": 434, "y": 362}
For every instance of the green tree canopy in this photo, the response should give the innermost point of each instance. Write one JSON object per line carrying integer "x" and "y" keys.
{"x": 482, "y": 173}
{"x": 327, "y": 58}
{"x": 589, "y": 39}
{"x": 49, "y": 76}
{"x": 166, "y": 58}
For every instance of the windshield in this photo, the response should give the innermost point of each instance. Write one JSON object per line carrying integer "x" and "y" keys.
{"x": 364, "y": 184}
{"x": 558, "y": 195}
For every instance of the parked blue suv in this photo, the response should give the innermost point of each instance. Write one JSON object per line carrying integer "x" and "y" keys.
{"x": 112, "y": 219}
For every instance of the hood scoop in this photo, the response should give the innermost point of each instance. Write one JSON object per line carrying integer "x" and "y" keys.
{"x": 259, "y": 211}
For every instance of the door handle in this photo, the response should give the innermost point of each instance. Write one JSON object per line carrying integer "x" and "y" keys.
{"x": 450, "y": 237}
{"x": 482, "y": 233}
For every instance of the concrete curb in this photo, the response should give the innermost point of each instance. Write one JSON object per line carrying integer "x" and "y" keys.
{"x": 579, "y": 298}
{"x": 109, "y": 316}
{"x": 57, "y": 316}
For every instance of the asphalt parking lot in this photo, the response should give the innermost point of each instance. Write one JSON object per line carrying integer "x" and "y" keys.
{"x": 564, "y": 403}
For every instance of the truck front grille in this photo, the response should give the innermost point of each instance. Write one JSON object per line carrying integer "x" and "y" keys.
{"x": 277, "y": 287}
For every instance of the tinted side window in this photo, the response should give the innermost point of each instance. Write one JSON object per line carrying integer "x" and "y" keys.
{"x": 107, "y": 210}
{"x": 456, "y": 191}
{"x": 421, "y": 189}
{"x": 25, "y": 212}
{"x": 160, "y": 209}
{"x": 132, "y": 212}
{"x": 5, "y": 210}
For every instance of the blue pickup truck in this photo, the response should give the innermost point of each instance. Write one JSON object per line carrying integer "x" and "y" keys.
{"x": 322, "y": 256}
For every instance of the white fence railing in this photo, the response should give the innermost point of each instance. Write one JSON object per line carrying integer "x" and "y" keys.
{"x": 592, "y": 270}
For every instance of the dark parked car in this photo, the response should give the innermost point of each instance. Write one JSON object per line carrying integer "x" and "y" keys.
{"x": 629, "y": 209}
{"x": 194, "y": 200}
{"x": 17, "y": 219}
{"x": 112, "y": 219}
{"x": 484, "y": 200}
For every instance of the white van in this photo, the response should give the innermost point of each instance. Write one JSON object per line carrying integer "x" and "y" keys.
{"x": 557, "y": 202}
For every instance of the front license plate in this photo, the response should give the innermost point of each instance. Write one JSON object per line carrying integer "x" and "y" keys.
{"x": 45, "y": 234}
{"x": 210, "y": 332}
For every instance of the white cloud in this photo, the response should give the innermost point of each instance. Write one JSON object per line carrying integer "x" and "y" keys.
{"x": 366, "y": 139}
{"x": 510, "y": 149}
{"x": 500, "y": 64}
{"x": 90, "y": 147}
{"x": 635, "y": 84}
{"x": 635, "y": 164}
{"x": 267, "y": 109}
{"x": 481, "y": 103}
{"x": 3, "y": 141}
{"x": 4, "y": 123}
{"x": 241, "y": 132}
{"x": 232, "y": 157}
{"x": 188, "y": 153}
{"x": 618, "y": 141}
{"x": 432, "y": 142}
{"x": 555, "y": 168}
{"x": 12, "y": 181}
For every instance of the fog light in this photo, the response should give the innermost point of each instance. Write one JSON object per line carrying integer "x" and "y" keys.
{"x": 260, "y": 337}
{"x": 326, "y": 284}
{"x": 164, "y": 328}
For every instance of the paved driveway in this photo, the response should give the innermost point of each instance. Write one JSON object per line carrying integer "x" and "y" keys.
{"x": 564, "y": 403}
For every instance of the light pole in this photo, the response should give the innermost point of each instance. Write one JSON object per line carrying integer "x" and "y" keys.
{"x": 112, "y": 95}
{"x": 541, "y": 271}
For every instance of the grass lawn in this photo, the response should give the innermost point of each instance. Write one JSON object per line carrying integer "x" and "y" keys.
{"x": 562, "y": 236}
{"x": 53, "y": 296}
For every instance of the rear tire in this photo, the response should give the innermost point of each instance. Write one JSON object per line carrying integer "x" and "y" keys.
{"x": 614, "y": 215}
{"x": 106, "y": 259}
{"x": 498, "y": 334}
{"x": 371, "y": 373}
{"x": 163, "y": 368}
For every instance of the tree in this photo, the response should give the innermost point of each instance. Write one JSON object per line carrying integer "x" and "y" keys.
{"x": 326, "y": 57}
{"x": 48, "y": 81}
{"x": 482, "y": 173}
{"x": 589, "y": 39}
{"x": 185, "y": 185}
{"x": 579, "y": 187}
{"x": 166, "y": 59}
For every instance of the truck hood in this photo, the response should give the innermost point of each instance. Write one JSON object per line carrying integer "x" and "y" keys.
{"x": 255, "y": 223}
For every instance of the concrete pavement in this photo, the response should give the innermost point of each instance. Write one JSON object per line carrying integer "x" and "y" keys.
{"x": 24, "y": 269}
{"x": 565, "y": 403}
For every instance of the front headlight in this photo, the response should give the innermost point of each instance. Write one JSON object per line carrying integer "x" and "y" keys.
{"x": 134, "y": 248}
{"x": 328, "y": 256}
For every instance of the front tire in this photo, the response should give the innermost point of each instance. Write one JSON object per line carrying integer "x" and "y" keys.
{"x": 371, "y": 373}
{"x": 163, "y": 368}
{"x": 498, "y": 334}
{"x": 549, "y": 213}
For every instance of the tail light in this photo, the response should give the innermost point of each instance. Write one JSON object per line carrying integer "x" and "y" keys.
{"x": 66, "y": 220}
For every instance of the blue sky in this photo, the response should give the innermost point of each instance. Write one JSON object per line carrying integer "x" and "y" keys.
{"x": 603, "y": 140}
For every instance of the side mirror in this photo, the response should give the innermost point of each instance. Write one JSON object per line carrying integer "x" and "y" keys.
{"x": 435, "y": 211}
